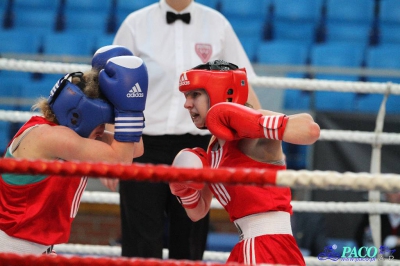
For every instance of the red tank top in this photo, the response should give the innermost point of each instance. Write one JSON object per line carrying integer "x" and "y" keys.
{"x": 243, "y": 200}
{"x": 40, "y": 212}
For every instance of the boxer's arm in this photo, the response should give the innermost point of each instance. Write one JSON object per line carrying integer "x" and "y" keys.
{"x": 230, "y": 121}
{"x": 194, "y": 197}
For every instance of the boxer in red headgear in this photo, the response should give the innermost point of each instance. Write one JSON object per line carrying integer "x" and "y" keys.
{"x": 216, "y": 94}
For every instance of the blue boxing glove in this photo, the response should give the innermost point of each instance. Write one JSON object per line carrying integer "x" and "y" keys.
{"x": 124, "y": 81}
{"x": 104, "y": 53}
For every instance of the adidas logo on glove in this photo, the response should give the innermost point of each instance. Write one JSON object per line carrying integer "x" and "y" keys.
{"x": 136, "y": 91}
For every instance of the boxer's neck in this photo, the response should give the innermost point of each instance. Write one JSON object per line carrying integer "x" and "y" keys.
{"x": 178, "y": 5}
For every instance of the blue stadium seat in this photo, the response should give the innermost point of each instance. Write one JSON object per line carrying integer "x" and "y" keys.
{"x": 354, "y": 11}
{"x": 336, "y": 54}
{"x": 281, "y": 52}
{"x": 248, "y": 26}
{"x": 250, "y": 45}
{"x": 389, "y": 12}
{"x": 385, "y": 56}
{"x": 88, "y": 16}
{"x": 10, "y": 92}
{"x": 350, "y": 20}
{"x": 249, "y": 31}
{"x": 5, "y": 135}
{"x": 68, "y": 44}
{"x": 295, "y": 99}
{"x": 30, "y": 92}
{"x": 352, "y": 32}
{"x": 296, "y": 19}
{"x": 389, "y": 34}
{"x": 36, "y": 4}
{"x": 304, "y": 32}
{"x": 296, "y": 156}
{"x": 103, "y": 7}
{"x": 19, "y": 41}
{"x": 248, "y": 8}
{"x": 125, "y": 7}
{"x": 91, "y": 22}
{"x": 33, "y": 20}
{"x": 222, "y": 242}
{"x": 103, "y": 40}
{"x": 298, "y": 11}
{"x": 214, "y": 4}
{"x": 392, "y": 105}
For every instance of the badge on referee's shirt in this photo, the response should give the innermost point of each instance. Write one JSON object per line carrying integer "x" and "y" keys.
{"x": 204, "y": 51}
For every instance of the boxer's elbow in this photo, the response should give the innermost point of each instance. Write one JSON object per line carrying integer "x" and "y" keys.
{"x": 313, "y": 132}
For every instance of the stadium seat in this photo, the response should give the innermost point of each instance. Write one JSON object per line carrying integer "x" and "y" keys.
{"x": 389, "y": 34}
{"x": 103, "y": 40}
{"x": 125, "y": 7}
{"x": 68, "y": 44}
{"x": 295, "y": 99}
{"x": 91, "y": 22}
{"x": 384, "y": 56}
{"x": 336, "y": 54}
{"x": 281, "y": 52}
{"x": 249, "y": 31}
{"x": 33, "y": 20}
{"x": 389, "y": 12}
{"x": 19, "y": 41}
{"x": 304, "y": 32}
{"x": 10, "y": 92}
{"x": 103, "y": 7}
{"x": 5, "y": 135}
{"x": 30, "y": 92}
{"x": 296, "y": 156}
{"x": 350, "y": 20}
{"x": 247, "y": 27}
{"x": 222, "y": 242}
{"x": 354, "y": 11}
{"x": 296, "y": 19}
{"x": 250, "y": 45}
{"x": 248, "y": 8}
{"x": 298, "y": 11}
{"x": 343, "y": 32}
{"x": 36, "y": 4}
{"x": 214, "y": 4}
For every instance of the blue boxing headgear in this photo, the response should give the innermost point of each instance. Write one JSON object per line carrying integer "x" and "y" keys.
{"x": 77, "y": 111}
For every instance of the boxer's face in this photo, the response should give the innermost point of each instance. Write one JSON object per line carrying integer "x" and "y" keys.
{"x": 197, "y": 103}
{"x": 97, "y": 132}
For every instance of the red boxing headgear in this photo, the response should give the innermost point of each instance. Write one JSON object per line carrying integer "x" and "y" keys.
{"x": 223, "y": 82}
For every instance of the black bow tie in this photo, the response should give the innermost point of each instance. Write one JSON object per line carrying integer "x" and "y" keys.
{"x": 171, "y": 17}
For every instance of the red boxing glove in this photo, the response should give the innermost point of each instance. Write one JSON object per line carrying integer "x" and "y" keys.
{"x": 231, "y": 121}
{"x": 188, "y": 193}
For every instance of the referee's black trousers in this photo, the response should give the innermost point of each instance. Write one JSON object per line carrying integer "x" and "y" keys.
{"x": 151, "y": 217}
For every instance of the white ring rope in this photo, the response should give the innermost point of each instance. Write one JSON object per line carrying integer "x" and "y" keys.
{"x": 270, "y": 82}
{"x": 213, "y": 256}
{"x": 290, "y": 178}
{"x": 298, "y": 206}
{"x": 328, "y": 135}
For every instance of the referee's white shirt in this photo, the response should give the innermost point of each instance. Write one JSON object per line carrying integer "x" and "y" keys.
{"x": 170, "y": 49}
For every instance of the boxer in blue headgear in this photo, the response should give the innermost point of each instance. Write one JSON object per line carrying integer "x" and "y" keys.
{"x": 73, "y": 109}
{"x": 37, "y": 210}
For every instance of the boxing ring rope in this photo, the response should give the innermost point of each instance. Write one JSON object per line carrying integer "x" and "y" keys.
{"x": 373, "y": 182}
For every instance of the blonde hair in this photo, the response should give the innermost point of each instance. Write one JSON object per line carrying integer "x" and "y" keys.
{"x": 90, "y": 84}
